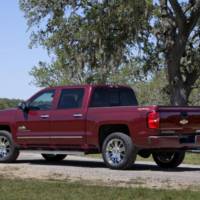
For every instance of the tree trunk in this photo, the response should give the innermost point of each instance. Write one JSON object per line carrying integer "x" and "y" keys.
{"x": 179, "y": 92}
{"x": 179, "y": 95}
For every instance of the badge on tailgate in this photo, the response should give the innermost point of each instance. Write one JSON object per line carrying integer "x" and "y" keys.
{"x": 183, "y": 121}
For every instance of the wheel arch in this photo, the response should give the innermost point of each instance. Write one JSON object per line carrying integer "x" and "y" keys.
{"x": 5, "y": 127}
{"x": 107, "y": 129}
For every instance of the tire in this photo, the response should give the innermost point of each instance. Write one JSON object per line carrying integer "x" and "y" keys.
{"x": 169, "y": 159}
{"x": 8, "y": 149}
{"x": 54, "y": 157}
{"x": 124, "y": 154}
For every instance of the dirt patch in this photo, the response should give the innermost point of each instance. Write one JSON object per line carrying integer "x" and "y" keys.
{"x": 93, "y": 171}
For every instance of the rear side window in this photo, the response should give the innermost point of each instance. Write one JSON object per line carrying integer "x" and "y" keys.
{"x": 108, "y": 97}
{"x": 71, "y": 98}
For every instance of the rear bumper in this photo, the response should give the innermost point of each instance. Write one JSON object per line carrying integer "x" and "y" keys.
{"x": 192, "y": 142}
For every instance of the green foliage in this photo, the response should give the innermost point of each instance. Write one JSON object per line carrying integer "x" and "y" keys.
{"x": 9, "y": 103}
{"x": 118, "y": 41}
{"x": 148, "y": 91}
{"x": 153, "y": 91}
{"x": 175, "y": 33}
{"x": 91, "y": 40}
{"x": 50, "y": 190}
{"x": 194, "y": 98}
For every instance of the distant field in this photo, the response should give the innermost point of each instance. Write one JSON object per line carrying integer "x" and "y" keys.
{"x": 190, "y": 158}
{"x": 55, "y": 190}
{"x": 9, "y": 103}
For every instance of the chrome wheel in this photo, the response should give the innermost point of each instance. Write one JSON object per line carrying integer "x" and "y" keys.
{"x": 118, "y": 151}
{"x": 5, "y": 147}
{"x": 115, "y": 151}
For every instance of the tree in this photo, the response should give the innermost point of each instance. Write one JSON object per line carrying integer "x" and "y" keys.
{"x": 90, "y": 39}
{"x": 152, "y": 92}
{"x": 178, "y": 37}
{"x": 94, "y": 40}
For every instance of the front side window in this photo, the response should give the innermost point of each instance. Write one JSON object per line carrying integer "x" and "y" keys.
{"x": 71, "y": 98}
{"x": 43, "y": 102}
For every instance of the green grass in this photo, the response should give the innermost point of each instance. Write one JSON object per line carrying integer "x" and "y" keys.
{"x": 47, "y": 190}
{"x": 190, "y": 158}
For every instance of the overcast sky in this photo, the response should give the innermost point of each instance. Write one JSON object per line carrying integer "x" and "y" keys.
{"x": 16, "y": 59}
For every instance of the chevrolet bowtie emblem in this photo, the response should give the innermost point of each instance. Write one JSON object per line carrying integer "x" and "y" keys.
{"x": 184, "y": 121}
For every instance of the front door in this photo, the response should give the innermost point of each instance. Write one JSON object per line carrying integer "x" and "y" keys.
{"x": 69, "y": 119}
{"x": 34, "y": 126}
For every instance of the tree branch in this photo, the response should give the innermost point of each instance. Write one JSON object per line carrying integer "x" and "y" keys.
{"x": 191, "y": 78}
{"x": 180, "y": 17}
{"x": 195, "y": 15}
{"x": 190, "y": 5}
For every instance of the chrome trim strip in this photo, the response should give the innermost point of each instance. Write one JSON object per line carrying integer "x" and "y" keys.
{"x": 68, "y": 137}
{"x": 49, "y": 137}
{"x": 168, "y": 132}
{"x": 54, "y": 152}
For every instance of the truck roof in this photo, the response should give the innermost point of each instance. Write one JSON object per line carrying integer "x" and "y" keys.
{"x": 87, "y": 86}
{"x": 91, "y": 86}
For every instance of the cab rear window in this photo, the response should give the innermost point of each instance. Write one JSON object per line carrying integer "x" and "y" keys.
{"x": 109, "y": 97}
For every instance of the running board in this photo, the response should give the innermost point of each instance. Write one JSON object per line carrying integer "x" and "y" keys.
{"x": 78, "y": 153}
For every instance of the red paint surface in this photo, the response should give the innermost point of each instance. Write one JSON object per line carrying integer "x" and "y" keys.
{"x": 85, "y": 130}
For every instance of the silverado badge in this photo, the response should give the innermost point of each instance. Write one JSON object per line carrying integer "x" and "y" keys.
{"x": 184, "y": 121}
{"x": 22, "y": 128}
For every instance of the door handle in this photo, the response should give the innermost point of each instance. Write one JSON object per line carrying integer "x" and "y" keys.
{"x": 44, "y": 116}
{"x": 77, "y": 115}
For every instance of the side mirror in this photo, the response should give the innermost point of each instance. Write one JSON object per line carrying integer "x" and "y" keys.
{"x": 23, "y": 106}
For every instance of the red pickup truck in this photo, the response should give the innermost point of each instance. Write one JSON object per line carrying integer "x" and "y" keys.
{"x": 67, "y": 120}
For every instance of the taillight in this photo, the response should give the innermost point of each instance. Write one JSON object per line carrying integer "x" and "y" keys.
{"x": 153, "y": 120}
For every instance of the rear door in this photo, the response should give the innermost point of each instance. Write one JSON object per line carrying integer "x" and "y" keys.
{"x": 69, "y": 119}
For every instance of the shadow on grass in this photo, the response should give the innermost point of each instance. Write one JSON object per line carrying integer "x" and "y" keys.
{"x": 100, "y": 164}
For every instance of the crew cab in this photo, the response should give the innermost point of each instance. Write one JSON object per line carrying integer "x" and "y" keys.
{"x": 86, "y": 119}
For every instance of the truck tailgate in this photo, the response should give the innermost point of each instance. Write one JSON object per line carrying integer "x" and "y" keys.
{"x": 179, "y": 119}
